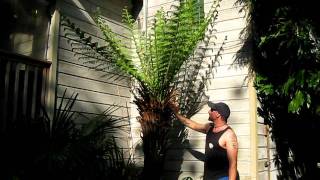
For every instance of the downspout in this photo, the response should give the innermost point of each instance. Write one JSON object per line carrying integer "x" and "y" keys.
{"x": 253, "y": 130}
{"x": 145, "y": 15}
{"x": 52, "y": 56}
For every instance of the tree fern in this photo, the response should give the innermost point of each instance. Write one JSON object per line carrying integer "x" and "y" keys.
{"x": 163, "y": 59}
{"x": 161, "y": 53}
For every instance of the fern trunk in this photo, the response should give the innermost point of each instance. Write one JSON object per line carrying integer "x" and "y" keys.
{"x": 155, "y": 120}
{"x": 154, "y": 148}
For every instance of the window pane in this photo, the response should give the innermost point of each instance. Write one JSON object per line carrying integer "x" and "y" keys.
{"x": 25, "y": 27}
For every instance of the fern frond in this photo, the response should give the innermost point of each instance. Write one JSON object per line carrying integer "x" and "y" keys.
{"x": 160, "y": 54}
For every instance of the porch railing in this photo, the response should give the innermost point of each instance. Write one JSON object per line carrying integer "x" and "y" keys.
{"x": 22, "y": 86}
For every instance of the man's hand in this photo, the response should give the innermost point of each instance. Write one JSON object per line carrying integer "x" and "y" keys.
{"x": 174, "y": 106}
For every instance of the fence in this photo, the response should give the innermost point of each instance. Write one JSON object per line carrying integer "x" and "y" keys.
{"x": 22, "y": 86}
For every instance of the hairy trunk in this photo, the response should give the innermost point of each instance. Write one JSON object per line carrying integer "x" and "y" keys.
{"x": 155, "y": 120}
{"x": 154, "y": 147}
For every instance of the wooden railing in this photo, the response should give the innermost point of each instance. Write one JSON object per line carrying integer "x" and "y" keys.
{"x": 22, "y": 86}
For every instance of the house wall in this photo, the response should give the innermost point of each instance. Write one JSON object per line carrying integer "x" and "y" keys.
{"x": 98, "y": 90}
{"x": 266, "y": 151}
{"x": 229, "y": 85}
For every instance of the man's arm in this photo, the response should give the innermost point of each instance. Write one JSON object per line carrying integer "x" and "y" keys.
{"x": 232, "y": 152}
{"x": 192, "y": 124}
{"x": 188, "y": 122}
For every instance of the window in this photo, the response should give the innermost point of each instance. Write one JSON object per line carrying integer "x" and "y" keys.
{"x": 25, "y": 27}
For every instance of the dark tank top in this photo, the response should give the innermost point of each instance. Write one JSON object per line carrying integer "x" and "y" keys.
{"x": 216, "y": 162}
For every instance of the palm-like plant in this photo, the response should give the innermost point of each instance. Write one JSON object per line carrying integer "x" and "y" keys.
{"x": 56, "y": 148}
{"x": 160, "y": 56}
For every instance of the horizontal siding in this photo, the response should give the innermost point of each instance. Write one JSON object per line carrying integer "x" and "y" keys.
{"x": 272, "y": 151}
{"x": 236, "y": 81}
{"x": 96, "y": 108}
{"x": 78, "y": 81}
{"x": 266, "y": 153}
{"x": 89, "y": 73}
{"x": 228, "y": 85}
{"x": 88, "y": 25}
{"x": 98, "y": 90}
{"x": 229, "y": 93}
{"x": 91, "y": 96}
{"x": 110, "y": 8}
{"x": 67, "y": 56}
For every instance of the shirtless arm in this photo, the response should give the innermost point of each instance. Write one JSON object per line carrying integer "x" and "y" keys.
{"x": 188, "y": 122}
{"x": 203, "y": 128}
{"x": 232, "y": 152}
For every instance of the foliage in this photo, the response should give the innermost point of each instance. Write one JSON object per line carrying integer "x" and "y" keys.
{"x": 56, "y": 148}
{"x": 282, "y": 48}
{"x": 159, "y": 54}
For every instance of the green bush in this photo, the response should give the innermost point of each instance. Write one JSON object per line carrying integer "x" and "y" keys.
{"x": 58, "y": 148}
{"x": 282, "y": 49}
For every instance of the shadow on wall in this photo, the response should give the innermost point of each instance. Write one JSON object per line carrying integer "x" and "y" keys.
{"x": 99, "y": 88}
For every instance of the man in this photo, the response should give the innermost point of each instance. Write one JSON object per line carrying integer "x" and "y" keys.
{"x": 221, "y": 149}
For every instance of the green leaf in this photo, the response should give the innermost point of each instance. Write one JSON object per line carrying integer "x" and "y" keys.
{"x": 262, "y": 41}
{"x": 288, "y": 85}
{"x": 297, "y": 102}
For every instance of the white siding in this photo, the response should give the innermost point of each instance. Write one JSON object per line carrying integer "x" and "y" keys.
{"x": 266, "y": 149}
{"x": 229, "y": 85}
{"x": 97, "y": 90}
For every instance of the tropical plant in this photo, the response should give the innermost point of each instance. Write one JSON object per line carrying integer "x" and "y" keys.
{"x": 164, "y": 61}
{"x": 282, "y": 48}
{"x": 56, "y": 148}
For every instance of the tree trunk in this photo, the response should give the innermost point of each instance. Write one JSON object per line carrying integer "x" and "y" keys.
{"x": 155, "y": 120}
{"x": 154, "y": 148}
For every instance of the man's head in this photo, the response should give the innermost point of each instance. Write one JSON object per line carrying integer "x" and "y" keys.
{"x": 222, "y": 108}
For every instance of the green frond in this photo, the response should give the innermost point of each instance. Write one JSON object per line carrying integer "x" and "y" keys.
{"x": 171, "y": 40}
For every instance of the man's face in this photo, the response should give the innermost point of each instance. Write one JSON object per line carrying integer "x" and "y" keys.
{"x": 213, "y": 114}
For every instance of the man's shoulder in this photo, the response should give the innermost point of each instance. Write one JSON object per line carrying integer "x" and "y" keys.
{"x": 230, "y": 134}
{"x": 208, "y": 126}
